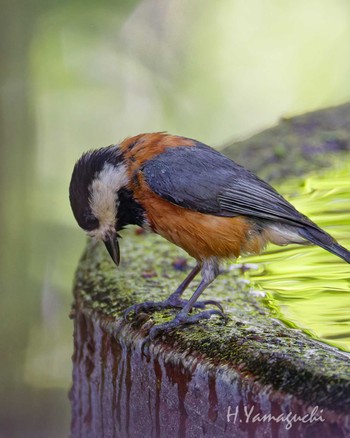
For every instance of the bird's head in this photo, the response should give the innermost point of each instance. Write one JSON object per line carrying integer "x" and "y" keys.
{"x": 97, "y": 178}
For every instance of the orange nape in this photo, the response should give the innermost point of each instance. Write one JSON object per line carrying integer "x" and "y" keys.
{"x": 144, "y": 147}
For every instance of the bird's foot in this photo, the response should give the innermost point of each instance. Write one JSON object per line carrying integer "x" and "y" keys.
{"x": 171, "y": 302}
{"x": 181, "y": 320}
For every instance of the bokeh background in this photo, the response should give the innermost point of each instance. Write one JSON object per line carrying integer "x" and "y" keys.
{"x": 81, "y": 74}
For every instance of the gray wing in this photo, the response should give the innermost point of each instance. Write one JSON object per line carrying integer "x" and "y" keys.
{"x": 201, "y": 179}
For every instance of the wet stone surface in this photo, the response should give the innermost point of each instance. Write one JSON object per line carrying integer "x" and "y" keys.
{"x": 205, "y": 380}
{"x": 119, "y": 392}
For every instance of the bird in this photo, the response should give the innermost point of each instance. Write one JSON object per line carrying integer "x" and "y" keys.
{"x": 193, "y": 196}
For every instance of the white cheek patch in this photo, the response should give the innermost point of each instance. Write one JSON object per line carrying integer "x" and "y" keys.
{"x": 104, "y": 198}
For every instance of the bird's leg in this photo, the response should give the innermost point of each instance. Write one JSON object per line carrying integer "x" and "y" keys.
{"x": 210, "y": 271}
{"x": 174, "y": 299}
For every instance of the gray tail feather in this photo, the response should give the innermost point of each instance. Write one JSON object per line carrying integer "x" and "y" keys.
{"x": 323, "y": 239}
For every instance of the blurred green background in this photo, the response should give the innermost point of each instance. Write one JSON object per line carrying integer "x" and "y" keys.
{"x": 77, "y": 75}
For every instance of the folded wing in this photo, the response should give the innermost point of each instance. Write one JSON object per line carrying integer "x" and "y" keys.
{"x": 201, "y": 179}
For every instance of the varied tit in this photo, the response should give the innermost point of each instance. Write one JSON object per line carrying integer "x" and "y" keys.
{"x": 193, "y": 196}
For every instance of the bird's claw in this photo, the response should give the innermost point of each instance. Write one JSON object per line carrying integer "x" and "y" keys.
{"x": 146, "y": 307}
{"x": 181, "y": 320}
{"x": 134, "y": 308}
{"x": 169, "y": 303}
{"x": 203, "y": 304}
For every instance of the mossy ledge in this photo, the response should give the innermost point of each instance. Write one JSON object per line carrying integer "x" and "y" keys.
{"x": 296, "y": 145}
{"x": 252, "y": 341}
{"x": 253, "y": 350}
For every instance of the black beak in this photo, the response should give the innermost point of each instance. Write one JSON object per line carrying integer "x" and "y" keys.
{"x": 112, "y": 246}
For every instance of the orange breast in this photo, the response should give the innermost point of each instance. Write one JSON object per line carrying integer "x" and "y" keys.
{"x": 200, "y": 235}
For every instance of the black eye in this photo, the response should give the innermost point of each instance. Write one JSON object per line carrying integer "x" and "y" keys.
{"x": 90, "y": 221}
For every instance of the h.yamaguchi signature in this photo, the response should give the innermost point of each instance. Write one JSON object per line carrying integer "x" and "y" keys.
{"x": 248, "y": 416}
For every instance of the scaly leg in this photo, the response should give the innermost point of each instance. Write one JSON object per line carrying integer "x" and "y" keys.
{"x": 210, "y": 271}
{"x": 174, "y": 300}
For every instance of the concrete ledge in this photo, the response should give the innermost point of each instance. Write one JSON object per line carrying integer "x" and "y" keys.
{"x": 194, "y": 378}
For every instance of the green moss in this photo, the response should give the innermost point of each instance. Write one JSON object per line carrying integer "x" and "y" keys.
{"x": 252, "y": 341}
{"x": 296, "y": 145}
